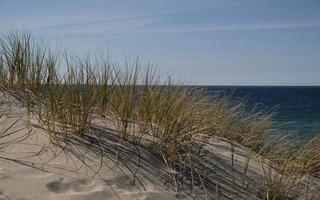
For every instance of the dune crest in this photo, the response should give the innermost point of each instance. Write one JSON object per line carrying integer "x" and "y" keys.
{"x": 32, "y": 168}
{"x": 103, "y": 166}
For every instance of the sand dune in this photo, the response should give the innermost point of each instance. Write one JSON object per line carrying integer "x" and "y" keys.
{"x": 31, "y": 167}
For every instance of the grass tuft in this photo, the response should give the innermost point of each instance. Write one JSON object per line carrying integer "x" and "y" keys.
{"x": 173, "y": 118}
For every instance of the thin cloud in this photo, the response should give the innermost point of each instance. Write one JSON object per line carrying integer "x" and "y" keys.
{"x": 141, "y": 26}
{"x": 62, "y": 20}
{"x": 46, "y": 22}
{"x": 244, "y": 27}
{"x": 125, "y": 25}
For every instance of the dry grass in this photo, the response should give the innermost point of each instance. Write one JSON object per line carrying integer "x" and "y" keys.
{"x": 174, "y": 116}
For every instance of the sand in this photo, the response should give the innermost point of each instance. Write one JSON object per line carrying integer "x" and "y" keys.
{"x": 101, "y": 166}
{"x": 32, "y": 168}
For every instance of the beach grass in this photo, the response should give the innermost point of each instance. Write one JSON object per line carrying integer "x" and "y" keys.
{"x": 171, "y": 116}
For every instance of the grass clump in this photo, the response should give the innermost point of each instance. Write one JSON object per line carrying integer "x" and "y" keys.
{"x": 69, "y": 102}
{"x": 123, "y": 100}
{"x": 22, "y": 59}
{"x": 173, "y": 120}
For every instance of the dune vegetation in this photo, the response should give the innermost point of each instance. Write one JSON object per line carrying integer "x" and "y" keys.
{"x": 170, "y": 119}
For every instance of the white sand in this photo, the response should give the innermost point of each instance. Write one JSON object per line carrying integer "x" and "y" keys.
{"x": 32, "y": 168}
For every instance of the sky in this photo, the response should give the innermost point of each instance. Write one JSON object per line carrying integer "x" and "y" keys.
{"x": 204, "y": 42}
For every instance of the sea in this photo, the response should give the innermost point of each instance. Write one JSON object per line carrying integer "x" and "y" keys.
{"x": 296, "y": 108}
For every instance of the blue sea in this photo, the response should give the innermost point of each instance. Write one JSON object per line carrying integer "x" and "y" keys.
{"x": 297, "y": 108}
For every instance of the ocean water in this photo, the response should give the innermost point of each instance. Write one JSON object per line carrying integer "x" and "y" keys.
{"x": 297, "y": 109}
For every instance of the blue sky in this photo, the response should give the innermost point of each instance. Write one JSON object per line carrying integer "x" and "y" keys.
{"x": 213, "y": 42}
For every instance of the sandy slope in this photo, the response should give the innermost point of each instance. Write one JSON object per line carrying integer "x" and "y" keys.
{"x": 86, "y": 168}
{"x": 32, "y": 168}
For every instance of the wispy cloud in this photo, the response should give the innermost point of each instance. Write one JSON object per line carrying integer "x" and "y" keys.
{"x": 94, "y": 19}
{"x": 234, "y": 27}
{"x": 61, "y": 20}
{"x": 140, "y": 25}
{"x": 117, "y": 24}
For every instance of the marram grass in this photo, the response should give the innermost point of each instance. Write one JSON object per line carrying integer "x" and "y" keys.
{"x": 174, "y": 116}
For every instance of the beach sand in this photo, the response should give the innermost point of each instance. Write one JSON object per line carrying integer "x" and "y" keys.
{"x": 33, "y": 168}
